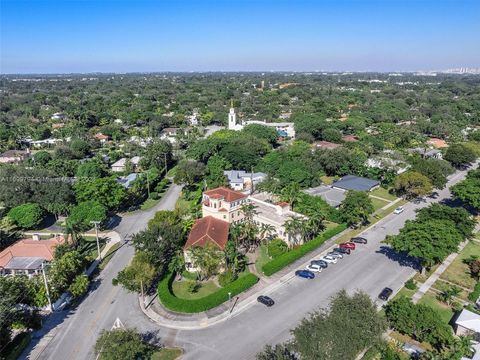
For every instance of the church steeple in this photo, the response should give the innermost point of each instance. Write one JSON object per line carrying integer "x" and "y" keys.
{"x": 232, "y": 117}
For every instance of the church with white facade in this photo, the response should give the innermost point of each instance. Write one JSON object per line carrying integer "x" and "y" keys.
{"x": 284, "y": 129}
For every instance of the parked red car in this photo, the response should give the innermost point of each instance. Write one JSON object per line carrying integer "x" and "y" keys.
{"x": 347, "y": 245}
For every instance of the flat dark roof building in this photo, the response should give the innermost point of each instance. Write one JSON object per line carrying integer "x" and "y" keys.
{"x": 352, "y": 182}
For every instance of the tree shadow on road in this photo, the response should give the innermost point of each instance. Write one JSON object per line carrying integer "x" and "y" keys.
{"x": 152, "y": 337}
{"x": 402, "y": 258}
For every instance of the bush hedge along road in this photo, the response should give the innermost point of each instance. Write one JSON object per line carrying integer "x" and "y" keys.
{"x": 291, "y": 256}
{"x": 171, "y": 302}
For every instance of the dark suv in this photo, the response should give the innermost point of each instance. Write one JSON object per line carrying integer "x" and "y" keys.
{"x": 343, "y": 250}
{"x": 265, "y": 300}
{"x": 359, "y": 240}
{"x": 385, "y": 294}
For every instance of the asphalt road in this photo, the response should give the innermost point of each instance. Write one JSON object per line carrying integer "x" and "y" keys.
{"x": 71, "y": 334}
{"x": 369, "y": 268}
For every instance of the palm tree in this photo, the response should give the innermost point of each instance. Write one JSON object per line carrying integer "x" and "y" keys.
{"x": 314, "y": 225}
{"x": 177, "y": 263}
{"x": 295, "y": 228}
{"x": 187, "y": 225}
{"x": 267, "y": 231}
{"x": 462, "y": 345}
{"x": 291, "y": 194}
{"x": 448, "y": 295}
{"x": 248, "y": 210}
{"x": 207, "y": 259}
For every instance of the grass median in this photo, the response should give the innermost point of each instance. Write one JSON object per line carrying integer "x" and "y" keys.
{"x": 291, "y": 256}
{"x": 170, "y": 301}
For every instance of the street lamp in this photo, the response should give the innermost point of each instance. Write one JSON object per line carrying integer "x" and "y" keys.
{"x": 229, "y": 296}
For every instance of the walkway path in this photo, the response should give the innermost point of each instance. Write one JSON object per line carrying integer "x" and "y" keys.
{"x": 266, "y": 285}
{"x": 439, "y": 271}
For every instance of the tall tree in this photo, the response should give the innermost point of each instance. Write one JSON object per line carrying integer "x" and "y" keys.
{"x": 349, "y": 326}
{"x": 357, "y": 207}
{"x": 412, "y": 184}
{"x": 459, "y": 154}
{"x": 431, "y": 241}
{"x": 122, "y": 344}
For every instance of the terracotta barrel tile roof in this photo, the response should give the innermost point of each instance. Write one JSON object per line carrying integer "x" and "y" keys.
{"x": 208, "y": 229}
{"x": 228, "y": 195}
{"x": 30, "y": 248}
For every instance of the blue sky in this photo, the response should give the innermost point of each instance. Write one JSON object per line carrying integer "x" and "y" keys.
{"x": 250, "y": 35}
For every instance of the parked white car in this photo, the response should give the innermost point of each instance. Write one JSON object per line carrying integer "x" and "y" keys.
{"x": 329, "y": 259}
{"x": 398, "y": 210}
{"x": 314, "y": 268}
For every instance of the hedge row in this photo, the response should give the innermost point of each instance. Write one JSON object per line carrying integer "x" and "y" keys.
{"x": 13, "y": 350}
{"x": 170, "y": 301}
{"x": 475, "y": 294}
{"x": 289, "y": 257}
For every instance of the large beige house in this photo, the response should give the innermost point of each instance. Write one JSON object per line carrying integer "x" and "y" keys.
{"x": 224, "y": 204}
{"x": 207, "y": 230}
{"x": 275, "y": 214}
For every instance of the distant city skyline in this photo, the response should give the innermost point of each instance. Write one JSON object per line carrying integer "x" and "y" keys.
{"x": 146, "y": 36}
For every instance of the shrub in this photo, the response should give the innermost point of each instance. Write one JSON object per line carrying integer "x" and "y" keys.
{"x": 27, "y": 216}
{"x": 289, "y": 257}
{"x": 162, "y": 185}
{"x": 410, "y": 284}
{"x": 277, "y": 247}
{"x": 13, "y": 350}
{"x": 170, "y": 301}
{"x": 475, "y": 294}
{"x": 154, "y": 195}
{"x": 226, "y": 278}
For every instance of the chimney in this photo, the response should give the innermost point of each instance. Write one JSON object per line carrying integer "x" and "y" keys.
{"x": 35, "y": 237}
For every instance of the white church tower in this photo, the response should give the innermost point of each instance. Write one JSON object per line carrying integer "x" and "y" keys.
{"x": 232, "y": 119}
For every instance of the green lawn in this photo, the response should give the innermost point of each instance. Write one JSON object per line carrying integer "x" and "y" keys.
{"x": 403, "y": 339}
{"x": 149, "y": 203}
{"x": 167, "y": 354}
{"x": 458, "y": 272}
{"x": 262, "y": 258}
{"x": 181, "y": 289}
{"x": 88, "y": 246}
{"x": 430, "y": 299}
{"x": 404, "y": 292}
{"x": 442, "y": 286}
{"x": 383, "y": 193}
{"x": 328, "y": 180}
{"x": 378, "y": 204}
{"x": 109, "y": 255}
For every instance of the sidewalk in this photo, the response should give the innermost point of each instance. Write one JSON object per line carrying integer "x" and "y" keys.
{"x": 438, "y": 272}
{"x": 266, "y": 285}
{"x": 113, "y": 238}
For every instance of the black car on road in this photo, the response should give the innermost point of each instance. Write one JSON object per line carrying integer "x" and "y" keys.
{"x": 385, "y": 294}
{"x": 265, "y": 300}
{"x": 342, "y": 250}
{"x": 321, "y": 263}
{"x": 359, "y": 240}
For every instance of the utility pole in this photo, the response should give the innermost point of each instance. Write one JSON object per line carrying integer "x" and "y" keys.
{"x": 95, "y": 223}
{"x": 46, "y": 287}
{"x": 165, "y": 158}
{"x": 148, "y": 185}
